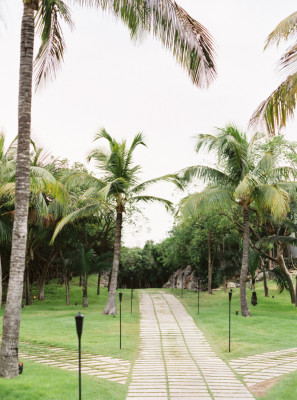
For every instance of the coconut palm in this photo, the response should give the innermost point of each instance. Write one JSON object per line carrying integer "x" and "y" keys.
{"x": 246, "y": 178}
{"x": 188, "y": 40}
{"x": 279, "y": 107}
{"x": 118, "y": 188}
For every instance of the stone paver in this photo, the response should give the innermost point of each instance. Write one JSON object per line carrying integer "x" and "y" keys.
{"x": 98, "y": 366}
{"x": 175, "y": 362}
{"x": 261, "y": 367}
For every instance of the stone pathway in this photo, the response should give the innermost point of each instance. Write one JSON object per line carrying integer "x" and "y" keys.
{"x": 259, "y": 368}
{"x": 113, "y": 369}
{"x": 175, "y": 362}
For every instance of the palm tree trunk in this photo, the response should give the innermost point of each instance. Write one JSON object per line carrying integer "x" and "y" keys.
{"x": 296, "y": 293}
{"x": 283, "y": 267}
{"x": 67, "y": 289}
{"x": 245, "y": 312}
{"x": 12, "y": 315}
{"x": 28, "y": 300}
{"x": 85, "y": 291}
{"x": 0, "y": 282}
{"x": 266, "y": 290}
{"x": 110, "y": 308}
{"x": 209, "y": 262}
{"x": 42, "y": 280}
{"x": 98, "y": 283}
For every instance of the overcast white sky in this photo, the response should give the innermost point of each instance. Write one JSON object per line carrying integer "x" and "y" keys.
{"x": 109, "y": 81}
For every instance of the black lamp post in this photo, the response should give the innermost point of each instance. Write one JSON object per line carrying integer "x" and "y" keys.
{"x": 198, "y": 294}
{"x": 131, "y": 279}
{"x": 79, "y": 319}
{"x": 230, "y": 297}
{"x": 182, "y": 291}
{"x": 120, "y": 297}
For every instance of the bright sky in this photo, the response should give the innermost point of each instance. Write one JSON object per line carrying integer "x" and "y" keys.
{"x": 109, "y": 81}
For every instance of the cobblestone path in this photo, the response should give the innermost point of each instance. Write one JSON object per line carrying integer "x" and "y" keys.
{"x": 113, "y": 369}
{"x": 259, "y": 368}
{"x": 175, "y": 362}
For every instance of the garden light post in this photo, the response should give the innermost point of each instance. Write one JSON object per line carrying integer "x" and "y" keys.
{"x": 120, "y": 297}
{"x": 79, "y": 319}
{"x": 230, "y": 297}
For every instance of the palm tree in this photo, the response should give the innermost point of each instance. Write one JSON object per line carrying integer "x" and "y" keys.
{"x": 245, "y": 179}
{"x": 279, "y": 107}
{"x": 192, "y": 47}
{"x": 118, "y": 189}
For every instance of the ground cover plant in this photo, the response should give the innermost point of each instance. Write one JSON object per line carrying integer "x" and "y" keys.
{"x": 52, "y": 323}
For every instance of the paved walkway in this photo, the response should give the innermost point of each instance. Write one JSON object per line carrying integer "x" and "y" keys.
{"x": 109, "y": 368}
{"x": 259, "y": 368}
{"x": 175, "y": 362}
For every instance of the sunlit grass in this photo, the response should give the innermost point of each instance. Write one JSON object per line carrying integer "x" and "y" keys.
{"x": 52, "y": 323}
{"x": 273, "y": 325}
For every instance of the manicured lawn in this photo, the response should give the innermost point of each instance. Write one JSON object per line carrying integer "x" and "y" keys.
{"x": 273, "y": 325}
{"x": 39, "y": 382}
{"x": 51, "y": 322}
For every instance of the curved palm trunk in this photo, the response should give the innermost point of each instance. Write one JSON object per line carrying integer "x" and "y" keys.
{"x": 245, "y": 312}
{"x": 85, "y": 291}
{"x": 12, "y": 315}
{"x": 110, "y": 308}
{"x": 283, "y": 267}
{"x": 0, "y": 282}
{"x": 41, "y": 284}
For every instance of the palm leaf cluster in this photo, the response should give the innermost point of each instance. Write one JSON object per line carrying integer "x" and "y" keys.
{"x": 275, "y": 112}
{"x": 241, "y": 178}
{"x": 188, "y": 40}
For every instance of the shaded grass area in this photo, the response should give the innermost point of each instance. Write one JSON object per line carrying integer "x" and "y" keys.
{"x": 273, "y": 325}
{"x": 52, "y": 323}
{"x": 47, "y": 383}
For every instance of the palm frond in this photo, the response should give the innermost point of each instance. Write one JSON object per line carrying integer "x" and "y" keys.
{"x": 188, "y": 40}
{"x": 51, "y": 52}
{"x": 206, "y": 174}
{"x": 244, "y": 191}
{"x": 273, "y": 199}
{"x": 88, "y": 210}
{"x": 171, "y": 178}
{"x": 152, "y": 199}
{"x": 275, "y": 112}
{"x": 202, "y": 202}
{"x": 286, "y": 29}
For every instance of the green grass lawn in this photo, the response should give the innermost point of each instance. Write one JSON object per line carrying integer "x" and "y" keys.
{"x": 51, "y": 322}
{"x": 273, "y": 326}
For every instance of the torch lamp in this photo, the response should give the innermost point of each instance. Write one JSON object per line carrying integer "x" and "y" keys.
{"x": 120, "y": 298}
{"x": 79, "y": 319}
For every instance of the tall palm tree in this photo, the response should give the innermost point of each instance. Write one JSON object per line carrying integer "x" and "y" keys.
{"x": 248, "y": 179}
{"x": 120, "y": 188}
{"x": 279, "y": 107}
{"x": 188, "y": 40}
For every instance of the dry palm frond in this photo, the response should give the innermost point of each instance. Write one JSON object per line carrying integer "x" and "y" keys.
{"x": 189, "y": 41}
{"x": 284, "y": 30}
{"x": 51, "y": 52}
